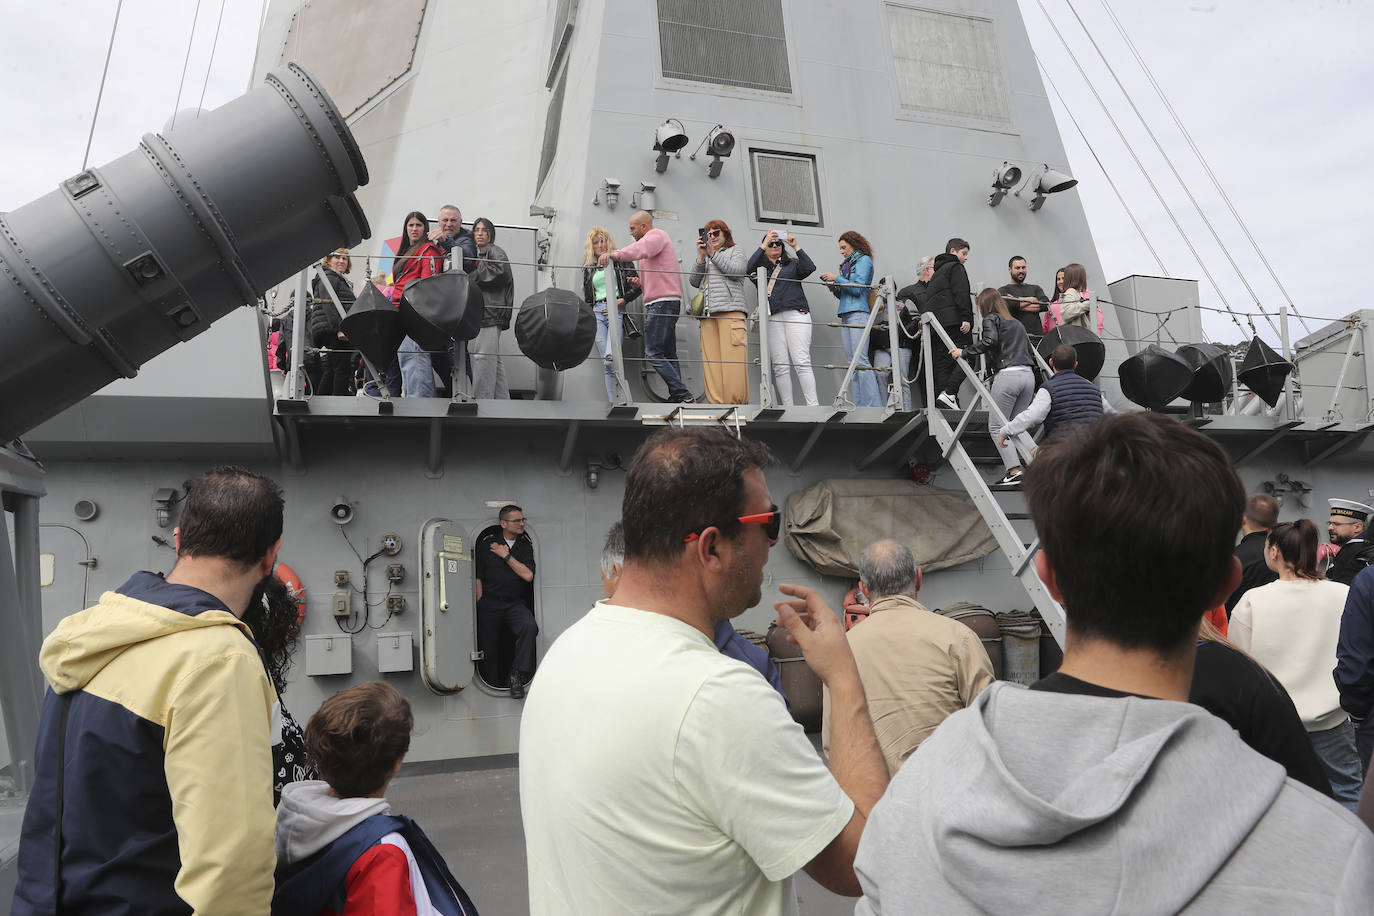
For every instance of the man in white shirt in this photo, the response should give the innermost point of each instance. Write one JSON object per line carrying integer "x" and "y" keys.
{"x": 659, "y": 775}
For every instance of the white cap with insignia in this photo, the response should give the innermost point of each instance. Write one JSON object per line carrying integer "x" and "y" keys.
{"x": 1350, "y": 509}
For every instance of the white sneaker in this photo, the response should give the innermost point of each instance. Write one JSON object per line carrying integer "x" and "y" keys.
{"x": 947, "y": 401}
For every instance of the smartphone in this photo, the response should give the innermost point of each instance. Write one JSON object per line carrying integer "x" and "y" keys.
{"x": 701, "y": 234}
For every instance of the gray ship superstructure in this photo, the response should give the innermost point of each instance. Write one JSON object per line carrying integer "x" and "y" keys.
{"x": 887, "y": 118}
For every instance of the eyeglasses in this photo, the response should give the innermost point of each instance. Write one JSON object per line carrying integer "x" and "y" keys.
{"x": 775, "y": 244}
{"x": 1343, "y": 524}
{"x": 713, "y": 232}
{"x": 770, "y": 520}
{"x": 514, "y": 521}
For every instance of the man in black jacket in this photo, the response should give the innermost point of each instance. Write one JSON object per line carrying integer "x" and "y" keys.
{"x": 1261, "y": 515}
{"x": 949, "y": 299}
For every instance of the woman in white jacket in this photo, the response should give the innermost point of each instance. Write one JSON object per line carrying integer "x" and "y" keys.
{"x": 1291, "y": 627}
{"x": 720, "y": 271}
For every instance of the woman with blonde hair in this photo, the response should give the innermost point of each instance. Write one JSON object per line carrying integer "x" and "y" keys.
{"x": 1291, "y": 627}
{"x": 627, "y": 288}
{"x": 1008, "y": 348}
{"x": 719, "y": 273}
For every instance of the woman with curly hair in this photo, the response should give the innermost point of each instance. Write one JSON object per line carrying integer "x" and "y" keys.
{"x": 627, "y": 289}
{"x": 851, "y": 286}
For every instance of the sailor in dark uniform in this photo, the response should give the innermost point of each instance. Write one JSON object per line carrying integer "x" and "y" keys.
{"x": 1347, "y": 527}
{"x": 504, "y": 558}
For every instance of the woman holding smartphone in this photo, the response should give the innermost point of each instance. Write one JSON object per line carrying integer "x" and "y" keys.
{"x": 719, "y": 270}
{"x": 789, "y": 314}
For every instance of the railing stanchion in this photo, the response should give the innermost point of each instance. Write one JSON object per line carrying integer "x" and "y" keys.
{"x": 294, "y": 387}
{"x": 896, "y": 392}
{"x": 766, "y": 395}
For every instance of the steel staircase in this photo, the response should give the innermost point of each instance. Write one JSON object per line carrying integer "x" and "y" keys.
{"x": 1019, "y": 553}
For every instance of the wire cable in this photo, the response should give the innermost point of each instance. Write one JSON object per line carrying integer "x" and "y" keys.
{"x": 1170, "y": 163}
{"x": 195, "y": 17}
{"x": 1202, "y": 159}
{"x": 209, "y": 66}
{"x": 100, "y": 94}
{"x": 1102, "y": 168}
{"x": 1140, "y": 165}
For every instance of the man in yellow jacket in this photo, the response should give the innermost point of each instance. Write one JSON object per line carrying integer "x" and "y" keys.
{"x": 154, "y": 742}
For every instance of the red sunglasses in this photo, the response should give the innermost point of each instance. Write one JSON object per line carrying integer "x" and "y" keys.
{"x": 770, "y": 520}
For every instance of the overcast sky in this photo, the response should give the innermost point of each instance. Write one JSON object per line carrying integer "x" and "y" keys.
{"x": 1276, "y": 94}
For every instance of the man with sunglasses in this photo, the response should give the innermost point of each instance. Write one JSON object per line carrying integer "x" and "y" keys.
{"x": 659, "y": 775}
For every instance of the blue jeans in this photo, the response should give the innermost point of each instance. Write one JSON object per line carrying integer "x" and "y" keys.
{"x": 417, "y": 370}
{"x": 603, "y": 346}
{"x": 1335, "y": 748}
{"x": 1364, "y": 740}
{"x": 863, "y": 390}
{"x": 660, "y": 345}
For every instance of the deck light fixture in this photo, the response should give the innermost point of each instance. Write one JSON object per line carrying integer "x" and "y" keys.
{"x": 719, "y": 144}
{"x": 1003, "y": 179}
{"x": 644, "y": 198}
{"x": 610, "y": 187}
{"x": 1047, "y": 182}
{"x": 668, "y": 139}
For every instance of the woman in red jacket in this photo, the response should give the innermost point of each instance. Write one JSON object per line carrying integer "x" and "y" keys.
{"x": 417, "y": 259}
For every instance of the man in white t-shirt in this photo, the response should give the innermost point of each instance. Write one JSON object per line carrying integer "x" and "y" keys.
{"x": 659, "y": 775}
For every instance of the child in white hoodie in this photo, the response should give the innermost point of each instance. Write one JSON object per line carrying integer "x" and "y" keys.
{"x": 340, "y": 851}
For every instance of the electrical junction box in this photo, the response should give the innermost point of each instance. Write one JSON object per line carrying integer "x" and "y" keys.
{"x": 330, "y": 654}
{"x": 395, "y": 652}
{"x": 340, "y": 603}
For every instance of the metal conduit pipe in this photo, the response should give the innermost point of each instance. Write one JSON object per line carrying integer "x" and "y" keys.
{"x": 124, "y": 261}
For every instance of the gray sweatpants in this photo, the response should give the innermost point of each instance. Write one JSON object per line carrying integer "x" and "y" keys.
{"x": 488, "y": 372}
{"x": 1012, "y": 391}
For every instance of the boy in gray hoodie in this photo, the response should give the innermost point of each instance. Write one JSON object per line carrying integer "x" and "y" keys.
{"x": 1100, "y": 789}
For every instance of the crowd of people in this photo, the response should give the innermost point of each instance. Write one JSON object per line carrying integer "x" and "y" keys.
{"x": 1180, "y": 757}
{"x": 649, "y": 291}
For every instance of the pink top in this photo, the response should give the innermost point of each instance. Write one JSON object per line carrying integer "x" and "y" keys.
{"x": 658, "y": 266}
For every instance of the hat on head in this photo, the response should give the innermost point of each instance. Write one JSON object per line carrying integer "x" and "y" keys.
{"x": 1348, "y": 508}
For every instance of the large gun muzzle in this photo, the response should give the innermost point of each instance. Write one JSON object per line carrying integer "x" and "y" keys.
{"x": 124, "y": 261}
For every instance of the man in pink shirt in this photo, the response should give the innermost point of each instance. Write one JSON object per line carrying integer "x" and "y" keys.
{"x": 658, "y": 266}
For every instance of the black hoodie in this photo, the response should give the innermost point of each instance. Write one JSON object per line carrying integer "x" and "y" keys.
{"x": 948, "y": 296}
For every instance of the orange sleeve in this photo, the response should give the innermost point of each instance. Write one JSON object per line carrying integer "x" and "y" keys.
{"x": 1217, "y": 616}
{"x": 379, "y": 884}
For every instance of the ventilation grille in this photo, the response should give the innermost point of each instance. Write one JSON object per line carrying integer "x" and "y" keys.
{"x": 786, "y": 188}
{"x": 947, "y": 64}
{"x": 552, "y": 121}
{"x": 725, "y": 42}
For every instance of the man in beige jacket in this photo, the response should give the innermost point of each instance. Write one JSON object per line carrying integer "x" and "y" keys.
{"x": 917, "y": 667}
